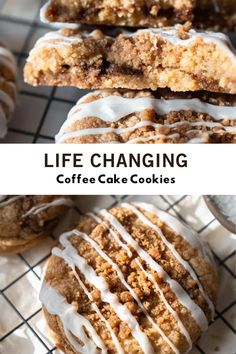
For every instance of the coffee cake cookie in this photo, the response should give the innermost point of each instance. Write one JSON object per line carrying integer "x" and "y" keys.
{"x": 141, "y": 13}
{"x": 139, "y": 282}
{"x": 150, "y": 117}
{"x": 8, "y": 75}
{"x": 25, "y": 220}
{"x": 177, "y": 58}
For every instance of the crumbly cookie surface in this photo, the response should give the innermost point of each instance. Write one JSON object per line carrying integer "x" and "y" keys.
{"x": 8, "y": 73}
{"x": 178, "y": 58}
{"x": 141, "y": 13}
{"x": 218, "y": 15}
{"x": 150, "y": 117}
{"x": 139, "y": 281}
{"x": 25, "y": 220}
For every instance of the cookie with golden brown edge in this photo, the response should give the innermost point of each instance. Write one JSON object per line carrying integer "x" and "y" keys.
{"x": 177, "y": 58}
{"x": 26, "y": 220}
{"x": 139, "y": 13}
{"x": 140, "y": 281}
{"x": 136, "y": 117}
{"x": 8, "y": 77}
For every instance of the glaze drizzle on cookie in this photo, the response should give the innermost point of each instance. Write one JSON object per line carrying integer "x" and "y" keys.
{"x": 79, "y": 265}
{"x": 4, "y": 201}
{"x": 112, "y": 109}
{"x": 169, "y": 34}
{"x": 57, "y": 202}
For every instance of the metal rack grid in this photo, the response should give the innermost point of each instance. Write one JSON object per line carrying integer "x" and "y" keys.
{"x": 40, "y": 111}
{"x": 21, "y": 321}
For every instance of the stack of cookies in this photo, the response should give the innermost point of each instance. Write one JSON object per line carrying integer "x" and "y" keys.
{"x": 174, "y": 84}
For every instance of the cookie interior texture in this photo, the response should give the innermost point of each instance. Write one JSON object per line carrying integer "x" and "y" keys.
{"x": 178, "y": 58}
{"x": 216, "y": 15}
{"x": 120, "y": 12}
{"x": 25, "y": 220}
{"x": 129, "y": 280}
{"x": 123, "y": 116}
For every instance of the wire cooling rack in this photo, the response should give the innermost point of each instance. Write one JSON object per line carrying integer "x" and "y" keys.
{"x": 41, "y": 111}
{"x": 22, "y": 327}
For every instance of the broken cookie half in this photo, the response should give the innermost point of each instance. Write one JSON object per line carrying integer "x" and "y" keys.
{"x": 214, "y": 14}
{"x": 176, "y": 58}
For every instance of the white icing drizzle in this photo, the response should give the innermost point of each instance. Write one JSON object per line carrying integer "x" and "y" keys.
{"x": 71, "y": 256}
{"x": 170, "y": 34}
{"x": 4, "y": 201}
{"x": 184, "y": 263}
{"x": 114, "y": 235}
{"x": 119, "y": 131}
{"x": 181, "y": 229}
{"x": 72, "y": 321}
{"x": 8, "y": 61}
{"x": 95, "y": 217}
{"x": 113, "y": 108}
{"x": 150, "y": 277}
{"x": 170, "y": 309}
{"x": 56, "y": 39}
{"x": 59, "y": 253}
{"x": 126, "y": 285}
{"x": 57, "y": 202}
{"x": 181, "y": 294}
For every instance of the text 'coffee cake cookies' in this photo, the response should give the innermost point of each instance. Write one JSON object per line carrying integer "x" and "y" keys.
{"x": 8, "y": 77}
{"x": 133, "y": 279}
{"x": 177, "y": 58}
{"x": 150, "y": 117}
{"x": 26, "y": 220}
{"x": 214, "y": 14}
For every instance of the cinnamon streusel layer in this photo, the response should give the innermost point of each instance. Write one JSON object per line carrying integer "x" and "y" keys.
{"x": 150, "y": 117}
{"x": 139, "y": 281}
{"x": 139, "y": 13}
{"x": 177, "y": 58}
